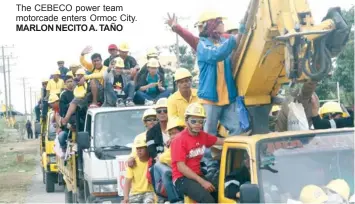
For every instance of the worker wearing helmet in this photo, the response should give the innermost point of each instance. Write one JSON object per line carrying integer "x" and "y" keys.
{"x": 312, "y": 194}
{"x": 185, "y": 95}
{"x": 41, "y": 102}
{"x": 187, "y": 150}
{"x": 113, "y": 50}
{"x": 119, "y": 89}
{"x": 162, "y": 168}
{"x": 151, "y": 86}
{"x": 137, "y": 189}
{"x": 151, "y": 53}
{"x": 338, "y": 191}
{"x": 55, "y": 85}
{"x": 187, "y": 35}
{"x": 331, "y": 113}
{"x": 131, "y": 65}
{"x": 63, "y": 70}
{"x": 74, "y": 67}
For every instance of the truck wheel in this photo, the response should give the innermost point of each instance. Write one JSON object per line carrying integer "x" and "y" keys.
{"x": 50, "y": 182}
{"x": 43, "y": 176}
{"x": 68, "y": 195}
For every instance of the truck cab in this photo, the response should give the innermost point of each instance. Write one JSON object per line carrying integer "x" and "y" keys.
{"x": 282, "y": 164}
{"x": 108, "y": 132}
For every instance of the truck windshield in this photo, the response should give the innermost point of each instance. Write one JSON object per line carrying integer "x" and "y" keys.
{"x": 117, "y": 128}
{"x": 286, "y": 165}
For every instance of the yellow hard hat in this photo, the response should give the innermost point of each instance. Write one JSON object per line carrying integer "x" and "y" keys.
{"x": 44, "y": 80}
{"x": 152, "y": 52}
{"x": 229, "y": 25}
{"x": 80, "y": 91}
{"x": 124, "y": 47}
{"x": 313, "y": 194}
{"x": 208, "y": 15}
{"x": 140, "y": 142}
{"x": 174, "y": 122}
{"x": 195, "y": 109}
{"x": 70, "y": 74}
{"x": 181, "y": 73}
{"x": 330, "y": 107}
{"x": 119, "y": 62}
{"x": 275, "y": 108}
{"x": 53, "y": 98}
{"x": 152, "y": 62}
{"x": 161, "y": 103}
{"x": 74, "y": 65}
{"x": 80, "y": 71}
{"x": 341, "y": 187}
{"x": 149, "y": 112}
{"x": 57, "y": 72}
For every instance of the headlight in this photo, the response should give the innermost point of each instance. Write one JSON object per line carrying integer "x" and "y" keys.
{"x": 105, "y": 188}
{"x": 52, "y": 159}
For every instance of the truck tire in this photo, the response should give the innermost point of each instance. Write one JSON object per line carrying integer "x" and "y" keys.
{"x": 50, "y": 182}
{"x": 68, "y": 195}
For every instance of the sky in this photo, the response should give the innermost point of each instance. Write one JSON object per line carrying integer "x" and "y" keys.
{"x": 38, "y": 52}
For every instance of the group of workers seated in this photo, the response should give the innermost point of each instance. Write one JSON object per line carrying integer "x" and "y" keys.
{"x": 192, "y": 116}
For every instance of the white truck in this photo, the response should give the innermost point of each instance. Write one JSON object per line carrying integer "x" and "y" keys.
{"x": 90, "y": 169}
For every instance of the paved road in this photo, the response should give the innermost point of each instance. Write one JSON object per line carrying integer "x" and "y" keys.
{"x": 37, "y": 192}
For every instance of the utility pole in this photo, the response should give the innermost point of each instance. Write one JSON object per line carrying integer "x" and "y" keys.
{"x": 9, "y": 76}
{"x": 24, "y": 94}
{"x": 31, "y": 112}
{"x": 4, "y": 73}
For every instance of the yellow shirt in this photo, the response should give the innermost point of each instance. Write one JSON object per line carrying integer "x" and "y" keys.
{"x": 178, "y": 104}
{"x": 140, "y": 136}
{"x": 165, "y": 157}
{"x": 138, "y": 174}
{"x": 55, "y": 87}
{"x": 86, "y": 64}
{"x": 222, "y": 90}
{"x": 97, "y": 74}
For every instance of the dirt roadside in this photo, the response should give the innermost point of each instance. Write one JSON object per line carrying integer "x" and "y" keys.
{"x": 15, "y": 172}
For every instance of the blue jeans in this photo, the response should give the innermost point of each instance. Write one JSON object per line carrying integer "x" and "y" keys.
{"x": 44, "y": 109}
{"x": 141, "y": 96}
{"x": 62, "y": 137}
{"x": 163, "y": 172}
{"x": 38, "y": 112}
{"x": 111, "y": 96}
{"x": 228, "y": 116}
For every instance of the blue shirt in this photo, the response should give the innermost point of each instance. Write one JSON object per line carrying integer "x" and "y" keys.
{"x": 151, "y": 80}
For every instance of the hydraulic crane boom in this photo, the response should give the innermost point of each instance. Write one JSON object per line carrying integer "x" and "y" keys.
{"x": 283, "y": 45}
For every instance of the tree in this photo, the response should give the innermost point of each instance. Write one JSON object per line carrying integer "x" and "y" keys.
{"x": 344, "y": 69}
{"x": 187, "y": 56}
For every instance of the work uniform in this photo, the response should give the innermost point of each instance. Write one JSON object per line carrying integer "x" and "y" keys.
{"x": 55, "y": 87}
{"x": 190, "y": 150}
{"x": 177, "y": 104}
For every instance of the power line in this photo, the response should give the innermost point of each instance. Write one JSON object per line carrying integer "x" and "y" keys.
{"x": 4, "y": 72}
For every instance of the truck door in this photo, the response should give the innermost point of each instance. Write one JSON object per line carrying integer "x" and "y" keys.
{"x": 235, "y": 161}
{"x": 87, "y": 153}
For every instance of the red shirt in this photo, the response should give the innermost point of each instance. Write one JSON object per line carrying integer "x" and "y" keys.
{"x": 189, "y": 149}
{"x": 189, "y": 37}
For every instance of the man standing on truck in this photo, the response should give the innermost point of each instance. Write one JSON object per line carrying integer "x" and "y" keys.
{"x": 55, "y": 85}
{"x": 187, "y": 150}
{"x": 185, "y": 95}
{"x": 137, "y": 188}
{"x": 63, "y": 70}
{"x": 113, "y": 50}
{"x": 119, "y": 89}
{"x": 151, "y": 86}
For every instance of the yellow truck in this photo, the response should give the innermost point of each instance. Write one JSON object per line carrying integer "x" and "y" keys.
{"x": 48, "y": 158}
{"x": 281, "y": 164}
{"x": 90, "y": 169}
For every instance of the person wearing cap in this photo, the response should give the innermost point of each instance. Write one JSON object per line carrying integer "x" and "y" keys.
{"x": 332, "y": 115}
{"x": 63, "y": 70}
{"x": 151, "y": 53}
{"x": 137, "y": 189}
{"x": 119, "y": 89}
{"x": 237, "y": 178}
{"x": 55, "y": 85}
{"x": 113, "y": 50}
{"x": 151, "y": 86}
{"x": 187, "y": 150}
{"x": 312, "y": 194}
{"x": 187, "y": 35}
{"x": 162, "y": 168}
{"x": 185, "y": 95}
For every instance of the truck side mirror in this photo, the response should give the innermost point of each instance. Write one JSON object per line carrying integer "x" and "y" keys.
{"x": 249, "y": 193}
{"x": 83, "y": 140}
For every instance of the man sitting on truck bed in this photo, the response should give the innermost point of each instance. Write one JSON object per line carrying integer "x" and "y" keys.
{"x": 136, "y": 187}
{"x": 187, "y": 150}
{"x": 119, "y": 89}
